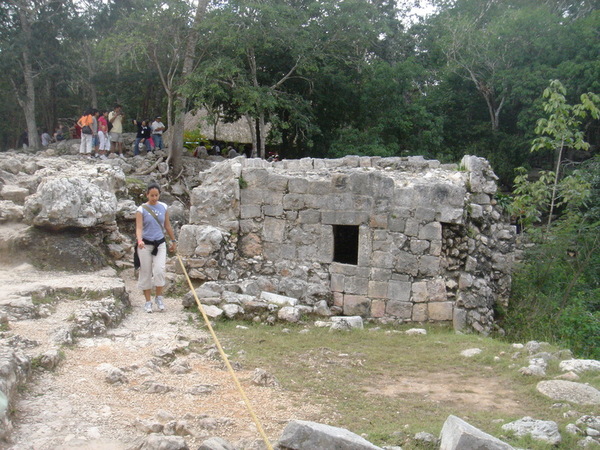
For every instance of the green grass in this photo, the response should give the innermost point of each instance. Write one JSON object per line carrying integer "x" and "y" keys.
{"x": 387, "y": 386}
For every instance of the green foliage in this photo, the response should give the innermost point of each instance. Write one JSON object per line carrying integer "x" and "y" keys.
{"x": 556, "y": 289}
{"x": 194, "y": 138}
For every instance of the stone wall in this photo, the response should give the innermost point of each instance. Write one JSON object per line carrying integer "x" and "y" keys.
{"x": 396, "y": 239}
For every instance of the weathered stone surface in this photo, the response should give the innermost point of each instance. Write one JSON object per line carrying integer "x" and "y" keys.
{"x": 348, "y": 321}
{"x": 570, "y": 391}
{"x": 280, "y": 300}
{"x": 459, "y": 435}
{"x": 216, "y": 443}
{"x": 304, "y": 435}
{"x": 540, "y": 430}
{"x": 579, "y": 365}
{"x": 63, "y": 202}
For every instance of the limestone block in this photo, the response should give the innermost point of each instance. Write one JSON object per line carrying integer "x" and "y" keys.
{"x": 14, "y": 193}
{"x": 481, "y": 199}
{"x": 349, "y": 269}
{"x": 65, "y": 202}
{"x": 311, "y": 216}
{"x": 344, "y": 217}
{"x": 419, "y": 246}
{"x": 337, "y": 282}
{"x": 423, "y": 214}
{"x": 298, "y": 185}
{"x": 250, "y": 245}
{"x": 459, "y": 319}
{"x": 481, "y": 177}
{"x": 436, "y": 290}
{"x": 382, "y": 260}
{"x": 467, "y": 300}
{"x": 377, "y": 274}
{"x": 470, "y": 264}
{"x": 250, "y": 211}
{"x": 431, "y": 231}
{"x": 404, "y": 197}
{"x": 378, "y": 289}
{"x": 9, "y": 212}
{"x": 252, "y": 196}
{"x": 378, "y": 221}
{"x": 440, "y": 311}
{"x": 399, "y": 290}
{"x": 293, "y": 201}
{"x": 562, "y": 390}
{"x": 280, "y": 300}
{"x": 272, "y": 210}
{"x": 365, "y": 246}
{"x": 318, "y": 187}
{"x": 356, "y": 305}
{"x": 459, "y": 435}
{"x": 465, "y": 281}
{"x": 255, "y": 177}
{"x": 411, "y": 228}
{"x": 435, "y": 248}
{"x": 272, "y": 198}
{"x": 429, "y": 266}
{"x": 396, "y": 224}
{"x": 419, "y": 292}
{"x": 419, "y": 312}
{"x": 273, "y": 229}
{"x": 277, "y": 182}
{"x": 200, "y": 240}
{"x": 356, "y": 285}
{"x": 406, "y": 263}
{"x": 448, "y": 214}
{"x": 377, "y": 308}
{"x": 401, "y": 310}
{"x": 365, "y": 203}
{"x": 475, "y": 211}
{"x": 338, "y": 299}
{"x": 289, "y": 314}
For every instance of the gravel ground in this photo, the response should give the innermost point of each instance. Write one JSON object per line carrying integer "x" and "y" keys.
{"x": 74, "y": 406}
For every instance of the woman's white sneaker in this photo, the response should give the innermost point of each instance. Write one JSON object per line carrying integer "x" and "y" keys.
{"x": 148, "y": 307}
{"x": 159, "y": 303}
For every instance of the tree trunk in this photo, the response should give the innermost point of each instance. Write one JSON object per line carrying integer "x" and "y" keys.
{"x": 262, "y": 134}
{"x": 28, "y": 102}
{"x": 252, "y": 128}
{"x": 176, "y": 147}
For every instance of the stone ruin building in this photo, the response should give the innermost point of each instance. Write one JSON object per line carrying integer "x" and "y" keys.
{"x": 393, "y": 239}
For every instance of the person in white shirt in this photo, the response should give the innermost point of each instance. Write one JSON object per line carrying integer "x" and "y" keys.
{"x": 157, "y": 130}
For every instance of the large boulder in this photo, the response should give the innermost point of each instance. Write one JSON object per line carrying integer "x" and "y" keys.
{"x": 74, "y": 202}
{"x": 303, "y": 435}
{"x": 459, "y": 435}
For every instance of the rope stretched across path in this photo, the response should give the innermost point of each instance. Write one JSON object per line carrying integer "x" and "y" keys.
{"x": 225, "y": 359}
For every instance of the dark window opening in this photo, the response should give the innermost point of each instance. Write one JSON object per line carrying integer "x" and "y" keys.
{"x": 345, "y": 244}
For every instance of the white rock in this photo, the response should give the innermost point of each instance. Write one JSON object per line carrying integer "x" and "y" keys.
{"x": 579, "y": 365}
{"x": 470, "y": 352}
{"x": 540, "y": 430}
{"x": 414, "y": 331}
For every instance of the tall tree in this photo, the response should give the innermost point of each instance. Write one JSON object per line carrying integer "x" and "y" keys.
{"x": 29, "y": 37}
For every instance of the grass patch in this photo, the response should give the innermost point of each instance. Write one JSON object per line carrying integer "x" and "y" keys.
{"x": 388, "y": 386}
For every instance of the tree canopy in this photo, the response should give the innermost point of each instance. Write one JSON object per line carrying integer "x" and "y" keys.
{"x": 331, "y": 77}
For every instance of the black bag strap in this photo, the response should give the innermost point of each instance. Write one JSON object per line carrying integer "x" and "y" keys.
{"x": 167, "y": 239}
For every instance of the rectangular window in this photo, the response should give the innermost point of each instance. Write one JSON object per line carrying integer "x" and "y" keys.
{"x": 345, "y": 244}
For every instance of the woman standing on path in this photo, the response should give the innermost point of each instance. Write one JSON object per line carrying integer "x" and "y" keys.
{"x": 151, "y": 223}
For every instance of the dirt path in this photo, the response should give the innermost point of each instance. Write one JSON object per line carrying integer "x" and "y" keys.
{"x": 75, "y": 407}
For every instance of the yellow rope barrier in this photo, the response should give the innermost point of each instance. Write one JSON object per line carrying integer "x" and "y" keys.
{"x": 225, "y": 359}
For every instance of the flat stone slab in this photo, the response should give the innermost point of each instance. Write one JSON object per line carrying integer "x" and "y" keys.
{"x": 569, "y": 391}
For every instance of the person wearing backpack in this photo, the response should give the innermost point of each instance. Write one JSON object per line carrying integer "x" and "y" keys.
{"x": 85, "y": 122}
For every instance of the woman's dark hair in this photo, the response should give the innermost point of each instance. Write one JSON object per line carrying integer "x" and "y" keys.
{"x": 153, "y": 185}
